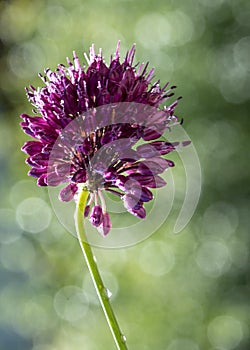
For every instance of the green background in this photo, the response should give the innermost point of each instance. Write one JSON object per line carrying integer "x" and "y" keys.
{"x": 171, "y": 292}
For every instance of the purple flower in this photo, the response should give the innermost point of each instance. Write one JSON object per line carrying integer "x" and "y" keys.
{"x": 90, "y": 121}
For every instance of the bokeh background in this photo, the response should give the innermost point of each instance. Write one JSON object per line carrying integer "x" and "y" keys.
{"x": 171, "y": 292}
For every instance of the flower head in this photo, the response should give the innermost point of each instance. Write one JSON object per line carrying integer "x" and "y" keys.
{"x": 91, "y": 119}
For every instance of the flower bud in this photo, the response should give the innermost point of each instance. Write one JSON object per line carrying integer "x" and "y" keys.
{"x": 96, "y": 216}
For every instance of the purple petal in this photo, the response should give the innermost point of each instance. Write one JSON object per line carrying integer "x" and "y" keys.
{"x": 54, "y": 180}
{"x": 128, "y": 155}
{"x": 80, "y": 176}
{"x": 30, "y": 162}
{"x": 37, "y": 172}
{"x": 85, "y": 147}
{"x": 148, "y": 181}
{"x": 27, "y": 130}
{"x": 154, "y": 166}
{"x": 32, "y": 147}
{"x": 147, "y": 151}
{"x": 139, "y": 192}
{"x": 96, "y": 216}
{"x": 130, "y": 202}
{"x": 62, "y": 169}
{"x": 42, "y": 180}
{"x": 108, "y": 137}
{"x": 156, "y": 182}
{"x": 86, "y": 211}
{"x": 68, "y": 192}
{"x": 139, "y": 212}
{"x": 106, "y": 225}
{"x": 156, "y": 148}
{"x": 150, "y": 134}
{"x": 39, "y": 159}
{"x": 186, "y": 143}
{"x": 146, "y": 195}
{"x": 164, "y": 147}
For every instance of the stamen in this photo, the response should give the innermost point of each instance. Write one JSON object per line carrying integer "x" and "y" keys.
{"x": 117, "y": 55}
{"x": 86, "y": 58}
{"x": 103, "y": 203}
{"x": 96, "y": 197}
{"x": 77, "y": 62}
{"x": 91, "y": 199}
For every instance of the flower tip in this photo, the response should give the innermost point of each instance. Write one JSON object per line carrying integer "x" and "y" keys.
{"x": 106, "y": 225}
{"x": 92, "y": 52}
{"x": 86, "y": 211}
{"x": 96, "y": 216}
{"x": 186, "y": 143}
{"x": 68, "y": 192}
{"x": 76, "y": 61}
{"x": 131, "y": 54}
{"x": 42, "y": 180}
{"x": 117, "y": 51}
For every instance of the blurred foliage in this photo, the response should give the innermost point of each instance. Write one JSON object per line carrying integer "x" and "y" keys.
{"x": 171, "y": 292}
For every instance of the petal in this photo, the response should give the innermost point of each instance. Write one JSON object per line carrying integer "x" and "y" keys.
{"x": 96, "y": 216}
{"x": 37, "y": 172}
{"x": 106, "y": 225}
{"x": 150, "y": 134}
{"x": 62, "y": 169}
{"x": 68, "y": 192}
{"x": 139, "y": 192}
{"x": 156, "y": 148}
{"x": 156, "y": 182}
{"x": 108, "y": 137}
{"x": 30, "y": 162}
{"x": 147, "y": 151}
{"x": 27, "y": 130}
{"x": 39, "y": 159}
{"x": 154, "y": 166}
{"x": 42, "y": 180}
{"x": 139, "y": 211}
{"x": 80, "y": 176}
{"x": 130, "y": 202}
{"x": 128, "y": 155}
{"x": 164, "y": 147}
{"x": 146, "y": 195}
{"x": 55, "y": 180}
{"x": 85, "y": 147}
{"x": 32, "y": 147}
{"x": 153, "y": 181}
{"x": 86, "y": 211}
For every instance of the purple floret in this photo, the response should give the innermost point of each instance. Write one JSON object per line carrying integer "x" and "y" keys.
{"x": 98, "y": 150}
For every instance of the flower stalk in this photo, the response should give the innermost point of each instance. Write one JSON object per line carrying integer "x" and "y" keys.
{"x": 101, "y": 290}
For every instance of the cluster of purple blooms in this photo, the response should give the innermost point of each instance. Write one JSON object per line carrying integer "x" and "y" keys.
{"x": 91, "y": 121}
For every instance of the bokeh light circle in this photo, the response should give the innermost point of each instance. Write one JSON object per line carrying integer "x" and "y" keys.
{"x": 33, "y": 215}
{"x": 156, "y": 258}
{"x": 225, "y": 332}
{"x": 213, "y": 258}
{"x": 220, "y": 219}
{"x": 71, "y": 303}
{"x": 9, "y": 228}
{"x": 164, "y": 28}
{"x": 18, "y": 256}
{"x": 183, "y": 344}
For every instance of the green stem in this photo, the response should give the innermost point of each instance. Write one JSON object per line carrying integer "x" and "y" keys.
{"x": 94, "y": 272}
